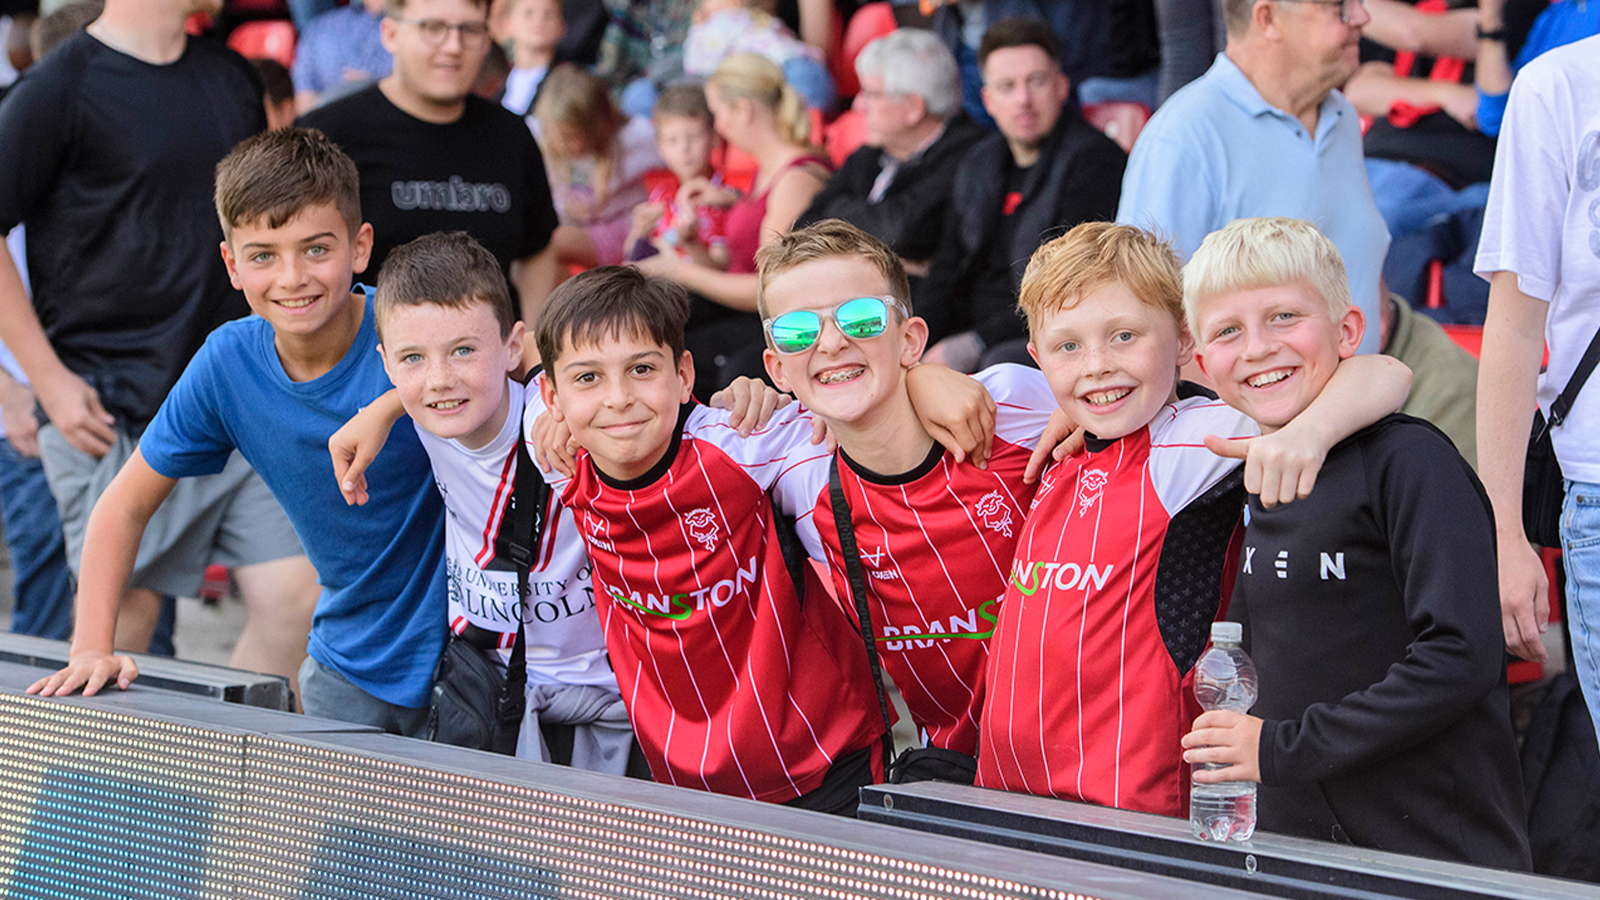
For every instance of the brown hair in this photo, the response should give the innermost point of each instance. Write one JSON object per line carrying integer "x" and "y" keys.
{"x": 394, "y": 8}
{"x": 684, "y": 101}
{"x": 1019, "y": 31}
{"x": 1065, "y": 270}
{"x": 274, "y": 175}
{"x": 447, "y": 268}
{"x": 609, "y": 302}
{"x": 828, "y": 239}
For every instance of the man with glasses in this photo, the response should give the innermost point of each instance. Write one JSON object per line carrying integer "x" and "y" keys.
{"x": 895, "y": 187}
{"x": 434, "y": 157}
{"x": 1265, "y": 133}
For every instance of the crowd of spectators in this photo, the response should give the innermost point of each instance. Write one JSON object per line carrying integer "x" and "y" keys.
{"x": 689, "y": 138}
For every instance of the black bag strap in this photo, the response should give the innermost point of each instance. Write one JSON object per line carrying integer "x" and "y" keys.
{"x": 525, "y": 514}
{"x": 1569, "y": 394}
{"x": 858, "y": 592}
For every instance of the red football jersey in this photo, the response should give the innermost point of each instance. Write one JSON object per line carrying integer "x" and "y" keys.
{"x": 1116, "y": 577}
{"x": 737, "y": 681}
{"x": 935, "y": 545}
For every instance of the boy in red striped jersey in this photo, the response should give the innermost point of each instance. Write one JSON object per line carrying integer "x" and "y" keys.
{"x": 1119, "y": 567}
{"x": 740, "y": 675}
{"x": 935, "y": 538}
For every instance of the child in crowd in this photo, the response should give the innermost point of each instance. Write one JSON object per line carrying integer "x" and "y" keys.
{"x": 684, "y": 137}
{"x": 449, "y": 340}
{"x": 275, "y": 386}
{"x": 1119, "y": 567}
{"x": 1371, "y": 608}
{"x": 935, "y": 538}
{"x": 595, "y": 159}
{"x": 533, "y": 29}
{"x": 722, "y": 28}
{"x": 740, "y": 675}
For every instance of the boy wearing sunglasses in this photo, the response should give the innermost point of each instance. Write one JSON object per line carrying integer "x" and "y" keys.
{"x": 934, "y": 538}
{"x": 1120, "y": 568}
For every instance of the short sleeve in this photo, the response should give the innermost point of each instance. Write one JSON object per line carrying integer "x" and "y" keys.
{"x": 189, "y": 435}
{"x": 35, "y": 127}
{"x": 1522, "y": 223}
{"x": 1181, "y": 468}
{"x": 1165, "y": 191}
{"x": 1023, "y": 402}
{"x": 539, "y": 212}
{"x": 768, "y": 452}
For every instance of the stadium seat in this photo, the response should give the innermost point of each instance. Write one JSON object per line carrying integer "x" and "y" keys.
{"x": 844, "y": 136}
{"x": 1121, "y": 120}
{"x": 870, "y": 22}
{"x": 265, "y": 39}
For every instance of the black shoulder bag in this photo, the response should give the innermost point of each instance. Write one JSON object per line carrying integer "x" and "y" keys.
{"x": 475, "y": 704}
{"x": 917, "y": 763}
{"x": 1543, "y": 488}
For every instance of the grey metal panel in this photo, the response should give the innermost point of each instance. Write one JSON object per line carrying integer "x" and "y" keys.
{"x": 216, "y": 682}
{"x": 1270, "y": 864}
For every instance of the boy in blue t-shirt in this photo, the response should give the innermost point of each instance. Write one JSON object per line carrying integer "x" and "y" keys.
{"x": 275, "y": 386}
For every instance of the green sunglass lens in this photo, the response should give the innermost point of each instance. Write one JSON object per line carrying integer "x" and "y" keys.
{"x": 864, "y": 317}
{"x": 793, "y": 332}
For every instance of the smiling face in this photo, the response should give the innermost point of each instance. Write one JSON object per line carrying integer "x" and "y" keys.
{"x": 297, "y": 276}
{"x": 429, "y": 74}
{"x": 1270, "y": 351}
{"x": 1023, "y": 90}
{"x": 849, "y": 382}
{"x": 449, "y": 365}
{"x": 620, "y": 398}
{"x": 1112, "y": 360}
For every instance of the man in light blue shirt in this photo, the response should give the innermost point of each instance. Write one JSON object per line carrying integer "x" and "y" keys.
{"x": 1265, "y": 133}
{"x": 338, "y": 52}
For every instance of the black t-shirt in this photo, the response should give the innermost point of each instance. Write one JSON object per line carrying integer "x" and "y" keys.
{"x": 481, "y": 174}
{"x": 109, "y": 161}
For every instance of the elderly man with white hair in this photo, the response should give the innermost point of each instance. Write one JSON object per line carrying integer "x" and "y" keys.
{"x": 1265, "y": 133}
{"x": 896, "y": 186}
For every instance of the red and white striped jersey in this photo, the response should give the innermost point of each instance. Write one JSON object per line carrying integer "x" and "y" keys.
{"x": 564, "y": 643}
{"x": 935, "y": 545}
{"x": 1118, "y": 574}
{"x": 737, "y": 681}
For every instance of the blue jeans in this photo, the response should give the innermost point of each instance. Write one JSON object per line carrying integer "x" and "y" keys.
{"x": 44, "y": 589}
{"x": 1408, "y": 197}
{"x": 326, "y": 693}
{"x": 1580, "y": 550}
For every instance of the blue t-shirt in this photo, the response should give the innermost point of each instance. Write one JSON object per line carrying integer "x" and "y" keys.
{"x": 380, "y": 621}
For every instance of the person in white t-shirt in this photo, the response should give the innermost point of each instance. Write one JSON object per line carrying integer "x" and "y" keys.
{"x": 1540, "y": 251}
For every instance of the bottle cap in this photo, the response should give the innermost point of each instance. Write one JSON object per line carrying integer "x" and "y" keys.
{"x": 1231, "y": 632}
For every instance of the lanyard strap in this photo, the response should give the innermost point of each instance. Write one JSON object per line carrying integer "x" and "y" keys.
{"x": 858, "y": 592}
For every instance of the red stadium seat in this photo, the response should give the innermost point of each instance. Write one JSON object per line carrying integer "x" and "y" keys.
{"x": 844, "y": 136}
{"x": 1121, "y": 120}
{"x": 871, "y": 21}
{"x": 265, "y": 39}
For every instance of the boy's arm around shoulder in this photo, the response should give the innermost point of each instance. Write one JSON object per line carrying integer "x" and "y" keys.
{"x": 110, "y": 546}
{"x": 357, "y": 443}
{"x": 956, "y": 410}
{"x": 1440, "y": 533}
{"x": 1282, "y": 467}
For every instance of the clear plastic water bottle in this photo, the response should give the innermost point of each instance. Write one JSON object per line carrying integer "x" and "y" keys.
{"x": 1224, "y": 678}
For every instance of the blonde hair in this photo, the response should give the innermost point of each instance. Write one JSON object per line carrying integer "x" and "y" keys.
{"x": 829, "y": 239}
{"x": 753, "y": 77}
{"x": 1259, "y": 253}
{"x": 1065, "y": 270}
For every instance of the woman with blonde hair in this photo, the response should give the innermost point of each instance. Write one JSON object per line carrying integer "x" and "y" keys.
{"x": 756, "y": 111}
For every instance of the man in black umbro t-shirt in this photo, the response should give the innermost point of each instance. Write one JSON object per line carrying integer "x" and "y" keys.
{"x": 433, "y": 157}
